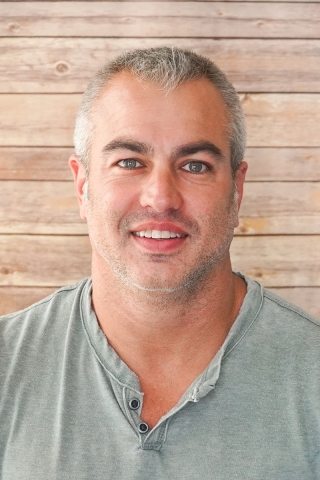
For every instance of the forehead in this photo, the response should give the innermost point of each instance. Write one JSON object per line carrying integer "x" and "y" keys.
{"x": 191, "y": 112}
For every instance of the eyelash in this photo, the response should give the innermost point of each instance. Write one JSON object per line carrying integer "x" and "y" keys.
{"x": 129, "y": 160}
{"x": 195, "y": 162}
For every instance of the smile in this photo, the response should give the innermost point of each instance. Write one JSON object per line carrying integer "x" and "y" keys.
{"x": 158, "y": 234}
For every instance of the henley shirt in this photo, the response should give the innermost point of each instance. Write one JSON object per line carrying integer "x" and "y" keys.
{"x": 70, "y": 407}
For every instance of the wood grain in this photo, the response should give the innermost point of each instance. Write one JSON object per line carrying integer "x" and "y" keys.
{"x": 39, "y": 207}
{"x": 265, "y": 164}
{"x": 279, "y": 261}
{"x": 283, "y": 164}
{"x": 13, "y": 299}
{"x": 43, "y": 261}
{"x": 51, "y": 261}
{"x": 51, "y": 208}
{"x": 278, "y": 120}
{"x": 274, "y": 120}
{"x": 65, "y": 65}
{"x": 280, "y": 208}
{"x": 35, "y": 163}
{"x": 37, "y": 120}
{"x": 160, "y": 19}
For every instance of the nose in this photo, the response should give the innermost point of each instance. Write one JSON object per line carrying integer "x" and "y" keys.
{"x": 160, "y": 191}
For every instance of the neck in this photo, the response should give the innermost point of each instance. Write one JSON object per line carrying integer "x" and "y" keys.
{"x": 152, "y": 329}
{"x": 167, "y": 339}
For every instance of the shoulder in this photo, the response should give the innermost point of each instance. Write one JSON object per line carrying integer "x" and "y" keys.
{"x": 279, "y": 324}
{"x": 40, "y": 316}
{"x": 275, "y": 305}
{"x": 288, "y": 328}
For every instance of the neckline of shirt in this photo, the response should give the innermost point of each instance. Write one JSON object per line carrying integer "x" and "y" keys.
{"x": 120, "y": 372}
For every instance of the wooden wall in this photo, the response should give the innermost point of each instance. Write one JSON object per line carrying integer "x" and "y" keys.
{"x": 270, "y": 51}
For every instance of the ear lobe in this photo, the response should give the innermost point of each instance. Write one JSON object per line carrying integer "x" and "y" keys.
{"x": 80, "y": 180}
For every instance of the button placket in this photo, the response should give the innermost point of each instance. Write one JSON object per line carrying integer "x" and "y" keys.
{"x": 134, "y": 405}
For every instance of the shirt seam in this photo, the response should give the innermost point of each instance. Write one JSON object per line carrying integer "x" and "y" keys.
{"x": 43, "y": 301}
{"x": 249, "y": 326}
{"x": 97, "y": 353}
{"x": 290, "y": 307}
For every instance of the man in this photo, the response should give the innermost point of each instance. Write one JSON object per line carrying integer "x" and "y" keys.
{"x": 166, "y": 364}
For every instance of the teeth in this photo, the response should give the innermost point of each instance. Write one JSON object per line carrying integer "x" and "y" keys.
{"x": 157, "y": 234}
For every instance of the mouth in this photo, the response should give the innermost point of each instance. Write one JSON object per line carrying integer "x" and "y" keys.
{"x": 158, "y": 234}
{"x": 159, "y": 238}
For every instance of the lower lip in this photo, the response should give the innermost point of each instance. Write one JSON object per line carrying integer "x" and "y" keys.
{"x": 159, "y": 246}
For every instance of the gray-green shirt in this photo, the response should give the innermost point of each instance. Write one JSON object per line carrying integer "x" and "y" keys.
{"x": 69, "y": 406}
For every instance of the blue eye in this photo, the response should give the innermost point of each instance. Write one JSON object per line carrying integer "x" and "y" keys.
{"x": 129, "y": 164}
{"x": 195, "y": 167}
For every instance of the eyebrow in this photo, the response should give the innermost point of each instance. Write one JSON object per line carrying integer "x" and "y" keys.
{"x": 181, "y": 151}
{"x": 196, "y": 147}
{"x": 128, "y": 144}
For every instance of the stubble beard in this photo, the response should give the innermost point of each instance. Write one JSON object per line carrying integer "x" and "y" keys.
{"x": 195, "y": 279}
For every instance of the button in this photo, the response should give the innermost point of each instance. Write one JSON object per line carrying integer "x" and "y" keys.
{"x": 143, "y": 427}
{"x": 134, "y": 404}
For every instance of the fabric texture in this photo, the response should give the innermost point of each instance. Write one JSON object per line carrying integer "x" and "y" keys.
{"x": 253, "y": 414}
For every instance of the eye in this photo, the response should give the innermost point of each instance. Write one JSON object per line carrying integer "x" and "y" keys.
{"x": 129, "y": 164}
{"x": 195, "y": 167}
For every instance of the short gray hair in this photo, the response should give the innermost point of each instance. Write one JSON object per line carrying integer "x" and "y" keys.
{"x": 168, "y": 68}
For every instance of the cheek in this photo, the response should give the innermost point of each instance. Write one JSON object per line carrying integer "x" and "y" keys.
{"x": 112, "y": 202}
{"x": 207, "y": 203}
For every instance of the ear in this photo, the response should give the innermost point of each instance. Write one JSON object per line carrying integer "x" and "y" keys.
{"x": 79, "y": 177}
{"x": 239, "y": 181}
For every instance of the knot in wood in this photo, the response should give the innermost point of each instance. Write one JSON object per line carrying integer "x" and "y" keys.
{"x": 14, "y": 27}
{"x": 4, "y": 270}
{"x": 258, "y": 273}
{"x": 243, "y": 228}
{"x": 61, "y": 67}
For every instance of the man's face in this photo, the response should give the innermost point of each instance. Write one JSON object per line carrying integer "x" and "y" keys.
{"x": 160, "y": 167}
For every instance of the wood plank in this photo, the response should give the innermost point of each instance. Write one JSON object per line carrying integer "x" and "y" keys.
{"x": 13, "y": 299}
{"x": 51, "y": 208}
{"x": 160, "y": 19}
{"x": 39, "y": 207}
{"x": 65, "y": 65}
{"x": 280, "y": 208}
{"x": 279, "y": 120}
{"x": 37, "y": 120}
{"x": 265, "y": 164}
{"x": 283, "y": 164}
{"x": 35, "y": 163}
{"x": 43, "y": 261}
{"x": 274, "y": 120}
{"x": 279, "y": 261}
{"x": 51, "y": 261}
{"x": 305, "y": 298}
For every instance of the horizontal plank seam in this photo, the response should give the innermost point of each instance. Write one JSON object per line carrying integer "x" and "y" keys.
{"x": 103, "y": 37}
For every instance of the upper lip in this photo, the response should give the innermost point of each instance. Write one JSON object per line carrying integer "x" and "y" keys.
{"x": 161, "y": 226}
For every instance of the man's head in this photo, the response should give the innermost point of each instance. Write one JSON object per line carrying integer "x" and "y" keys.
{"x": 167, "y": 68}
{"x": 162, "y": 197}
